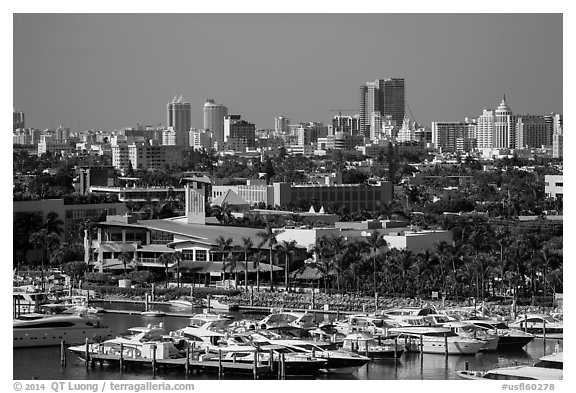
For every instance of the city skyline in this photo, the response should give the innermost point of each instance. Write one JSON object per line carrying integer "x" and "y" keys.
{"x": 69, "y": 70}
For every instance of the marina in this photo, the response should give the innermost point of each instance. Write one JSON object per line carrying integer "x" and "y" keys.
{"x": 58, "y": 363}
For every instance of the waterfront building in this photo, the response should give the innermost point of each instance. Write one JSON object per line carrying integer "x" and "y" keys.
{"x": 504, "y": 136}
{"x": 454, "y": 136}
{"x": 214, "y": 115}
{"x": 18, "y": 119}
{"x": 533, "y": 131}
{"x": 485, "y": 129}
{"x": 554, "y": 186}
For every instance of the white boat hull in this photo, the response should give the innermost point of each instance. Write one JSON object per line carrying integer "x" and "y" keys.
{"x": 433, "y": 345}
{"x": 52, "y": 337}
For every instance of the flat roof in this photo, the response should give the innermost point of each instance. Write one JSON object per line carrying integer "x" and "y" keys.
{"x": 205, "y": 233}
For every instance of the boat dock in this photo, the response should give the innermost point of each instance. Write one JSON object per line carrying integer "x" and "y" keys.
{"x": 189, "y": 364}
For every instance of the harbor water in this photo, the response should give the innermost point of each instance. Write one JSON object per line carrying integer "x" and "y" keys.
{"x": 44, "y": 363}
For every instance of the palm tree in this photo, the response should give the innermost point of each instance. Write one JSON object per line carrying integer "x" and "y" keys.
{"x": 45, "y": 241}
{"x": 321, "y": 250}
{"x": 54, "y": 224}
{"x": 177, "y": 257}
{"x": 256, "y": 262}
{"x": 224, "y": 247}
{"x": 339, "y": 248}
{"x": 269, "y": 238}
{"x": 25, "y": 224}
{"x": 288, "y": 248}
{"x": 165, "y": 259}
{"x": 231, "y": 261}
{"x": 247, "y": 244}
{"x": 375, "y": 242}
{"x": 125, "y": 258}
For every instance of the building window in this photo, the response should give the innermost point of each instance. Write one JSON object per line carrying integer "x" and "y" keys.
{"x": 201, "y": 255}
{"x": 187, "y": 255}
{"x": 560, "y": 184}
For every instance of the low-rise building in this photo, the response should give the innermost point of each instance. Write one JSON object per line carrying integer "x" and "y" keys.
{"x": 554, "y": 186}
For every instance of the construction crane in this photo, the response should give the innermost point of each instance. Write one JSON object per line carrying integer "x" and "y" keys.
{"x": 339, "y": 111}
{"x": 410, "y": 110}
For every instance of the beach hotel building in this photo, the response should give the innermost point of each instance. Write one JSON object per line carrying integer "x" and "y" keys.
{"x": 146, "y": 241}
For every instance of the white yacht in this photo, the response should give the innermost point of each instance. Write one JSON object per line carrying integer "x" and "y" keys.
{"x": 364, "y": 343}
{"x": 364, "y": 323}
{"x": 538, "y": 324}
{"x": 467, "y": 329}
{"x": 140, "y": 342}
{"x": 508, "y": 338}
{"x": 37, "y": 330}
{"x": 336, "y": 360}
{"x": 435, "y": 340}
{"x": 295, "y": 319}
{"x": 550, "y": 367}
{"x": 27, "y": 299}
{"x": 215, "y": 322}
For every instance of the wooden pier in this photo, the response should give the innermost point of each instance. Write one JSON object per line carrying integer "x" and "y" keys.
{"x": 189, "y": 364}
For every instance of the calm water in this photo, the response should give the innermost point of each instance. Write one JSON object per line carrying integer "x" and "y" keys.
{"x": 44, "y": 363}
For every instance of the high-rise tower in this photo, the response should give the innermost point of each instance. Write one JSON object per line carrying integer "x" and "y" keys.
{"x": 214, "y": 115}
{"x": 385, "y": 96}
{"x": 178, "y": 115}
{"x": 504, "y": 127}
{"x": 393, "y": 99}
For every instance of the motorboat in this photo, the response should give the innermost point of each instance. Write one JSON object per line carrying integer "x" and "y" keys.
{"x": 27, "y": 299}
{"x": 199, "y": 338}
{"x": 437, "y": 340}
{"x": 507, "y": 338}
{"x": 296, "y": 362}
{"x": 37, "y": 330}
{"x": 337, "y": 360}
{"x": 365, "y": 343}
{"x": 218, "y": 302}
{"x": 328, "y": 333}
{"x": 181, "y": 303}
{"x": 301, "y": 320}
{"x": 406, "y": 311}
{"x": 216, "y": 322}
{"x": 152, "y": 313}
{"x": 549, "y": 367}
{"x": 467, "y": 329}
{"x": 363, "y": 323}
{"x": 139, "y": 342}
{"x": 538, "y": 324}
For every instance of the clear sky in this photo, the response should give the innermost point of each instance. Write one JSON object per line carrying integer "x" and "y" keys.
{"x": 108, "y": 71}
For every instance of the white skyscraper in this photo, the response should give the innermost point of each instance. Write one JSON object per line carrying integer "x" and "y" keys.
{"x": 281, "y": 125}
{"x": 504, "y": 136}
{"x": 485, "y": 129}
{"x": 214, "y": 115}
